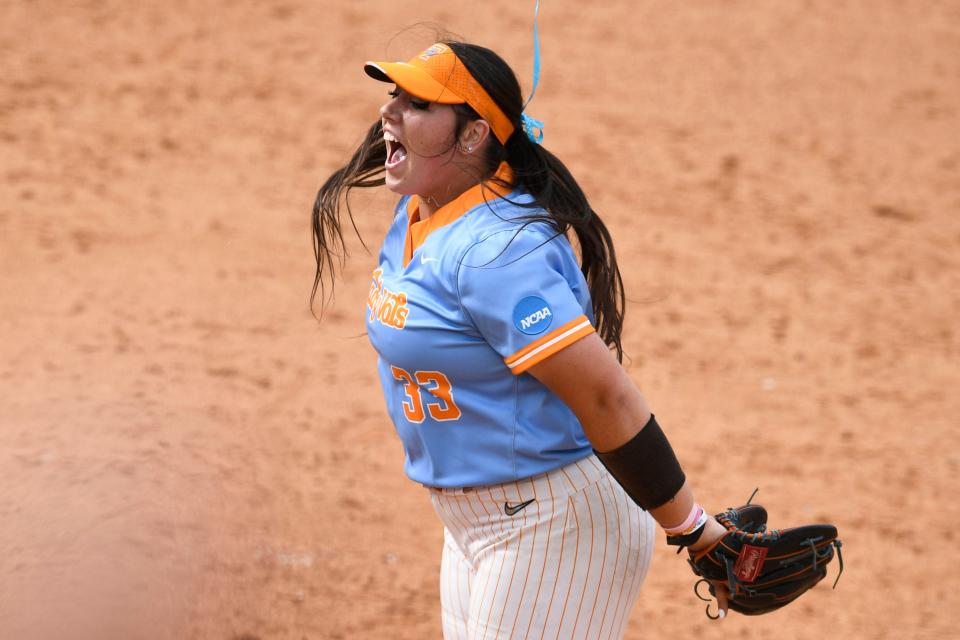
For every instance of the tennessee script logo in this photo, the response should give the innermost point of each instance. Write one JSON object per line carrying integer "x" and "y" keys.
{"x": 389, "y": 307}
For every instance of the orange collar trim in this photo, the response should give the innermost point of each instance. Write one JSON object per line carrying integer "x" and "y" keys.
{"x": 418, "y": 230}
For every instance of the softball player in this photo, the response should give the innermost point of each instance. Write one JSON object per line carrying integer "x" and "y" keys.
{"x": 541, "y": 458}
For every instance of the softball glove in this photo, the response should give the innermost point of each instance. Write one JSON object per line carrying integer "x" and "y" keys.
{"x": 762, "y": 569}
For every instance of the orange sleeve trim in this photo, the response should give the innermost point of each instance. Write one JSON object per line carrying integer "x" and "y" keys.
{"x": 549, "y": 344}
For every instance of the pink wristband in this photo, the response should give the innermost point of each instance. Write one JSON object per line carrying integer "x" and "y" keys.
{"x": 692, "y": 518}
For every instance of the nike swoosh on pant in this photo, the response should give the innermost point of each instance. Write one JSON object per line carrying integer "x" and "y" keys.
{"x": 514, "y": 509}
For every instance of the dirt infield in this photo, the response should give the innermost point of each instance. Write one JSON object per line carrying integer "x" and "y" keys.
{"x": 187, "y": 453}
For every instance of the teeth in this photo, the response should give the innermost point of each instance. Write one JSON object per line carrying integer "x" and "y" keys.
{"x": 395, "y": 151}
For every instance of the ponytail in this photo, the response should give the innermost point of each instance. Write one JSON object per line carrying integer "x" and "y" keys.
{"x": 556, "y": 192}
{"x": 557, "y": 198}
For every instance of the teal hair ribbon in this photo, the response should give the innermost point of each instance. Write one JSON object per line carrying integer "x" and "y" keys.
{"x": 531, "y": 126}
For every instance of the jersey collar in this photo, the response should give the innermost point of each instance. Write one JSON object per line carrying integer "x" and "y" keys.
{"x": 418, "y": 230}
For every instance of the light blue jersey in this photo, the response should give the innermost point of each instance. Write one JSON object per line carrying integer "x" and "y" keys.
{"x": 460, "y": 306}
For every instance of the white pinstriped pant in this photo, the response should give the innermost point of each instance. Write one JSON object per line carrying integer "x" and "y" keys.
{"x": 568, "y": 565}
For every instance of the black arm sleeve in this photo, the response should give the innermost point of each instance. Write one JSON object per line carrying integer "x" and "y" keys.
{"x": 646, "y": 467}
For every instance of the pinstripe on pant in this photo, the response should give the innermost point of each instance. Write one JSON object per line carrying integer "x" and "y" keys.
{"x": 569, "y": 565}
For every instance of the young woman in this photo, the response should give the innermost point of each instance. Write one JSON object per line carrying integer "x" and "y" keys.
{"x": 499, "y": 359}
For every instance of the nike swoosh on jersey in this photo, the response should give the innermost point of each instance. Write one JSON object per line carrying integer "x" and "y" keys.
{"x": 425, "y": 260}
{"x": 514, "y": 509}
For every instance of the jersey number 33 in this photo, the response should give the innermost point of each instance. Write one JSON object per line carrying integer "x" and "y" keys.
{"x": 435, "y": 384}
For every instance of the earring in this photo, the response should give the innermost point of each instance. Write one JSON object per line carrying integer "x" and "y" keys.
{"x": 469, "y": 149}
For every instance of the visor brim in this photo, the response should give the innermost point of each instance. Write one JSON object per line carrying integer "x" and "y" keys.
{"x": 413, "y": 80}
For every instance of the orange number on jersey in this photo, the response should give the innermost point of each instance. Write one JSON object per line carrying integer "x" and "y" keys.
{"x": 412, "y": 409}
{"x": 446, "y": 408}
{"x": 442, "y": 409}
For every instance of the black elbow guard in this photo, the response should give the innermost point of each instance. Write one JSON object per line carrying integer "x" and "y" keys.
{"x": 646, "y": 467}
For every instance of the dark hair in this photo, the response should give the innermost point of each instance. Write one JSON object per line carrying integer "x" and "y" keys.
{"x": 557, "y": 198}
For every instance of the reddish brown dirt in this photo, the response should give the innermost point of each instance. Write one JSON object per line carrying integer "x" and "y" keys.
{"x": 187, "y": 453}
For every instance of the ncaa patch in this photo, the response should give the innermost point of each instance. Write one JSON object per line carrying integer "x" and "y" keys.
{"x": 532, "y": 315}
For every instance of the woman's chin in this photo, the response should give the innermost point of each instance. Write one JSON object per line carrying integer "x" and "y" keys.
{"x": 396, "y": 184}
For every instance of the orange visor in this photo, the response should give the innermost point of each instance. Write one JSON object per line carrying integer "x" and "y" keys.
{"x": 438, "y": 75}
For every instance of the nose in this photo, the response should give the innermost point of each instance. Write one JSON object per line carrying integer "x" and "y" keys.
{"x": 388, "y": 111}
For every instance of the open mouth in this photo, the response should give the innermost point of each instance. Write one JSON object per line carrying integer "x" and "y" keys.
{"x": 396, "y": 152}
